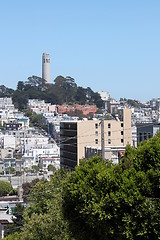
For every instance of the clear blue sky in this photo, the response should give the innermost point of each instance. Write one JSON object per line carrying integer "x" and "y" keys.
{"x": 109, "y": 45}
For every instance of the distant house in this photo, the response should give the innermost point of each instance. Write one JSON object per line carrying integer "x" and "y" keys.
{"x": 9, "y": 162}
{"x": 111, "y": 105}
{"x": 45, "y": 162}
{"x": 39, "y": 106}
{"x": 12, "y": 126}
{"x": 5, "y": 219}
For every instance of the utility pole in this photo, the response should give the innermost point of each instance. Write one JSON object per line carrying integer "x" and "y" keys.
{"x": 102, "y": 139}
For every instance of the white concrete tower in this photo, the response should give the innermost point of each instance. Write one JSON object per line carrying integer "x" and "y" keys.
{"x": 46, "y": 67}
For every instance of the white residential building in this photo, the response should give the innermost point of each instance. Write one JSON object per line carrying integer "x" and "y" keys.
{"x": 8, "y": 114}
{"x": 39, "y": 106}
{"x": 104, "y": 95}
{"x": 5, "y": 102}
{"x": 32, "y": 156}
{"x": 7, "y": 141}
{"x": 45, "y": 162}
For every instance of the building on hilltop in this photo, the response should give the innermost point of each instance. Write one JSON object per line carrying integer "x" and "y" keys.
{"x": 46, "y": 67}
{"x": 104, "y": 95}
{"x": 40, "y": 106}
{"x": 111, "y": 105}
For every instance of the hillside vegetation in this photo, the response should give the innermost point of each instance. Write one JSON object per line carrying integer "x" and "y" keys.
{"x": 63, "y": 90}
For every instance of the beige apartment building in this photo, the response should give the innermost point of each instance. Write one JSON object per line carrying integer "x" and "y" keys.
{"x": 76, "y": 136}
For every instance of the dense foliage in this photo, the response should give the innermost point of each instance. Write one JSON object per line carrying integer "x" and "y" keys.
{"x": 27, "y": 188}
{"x": 99, "y": 200}
{"x": 63, "y": 90}
{"x": 112, "y": 202}
{"x": 133, "y": 103}
{"x": 5, "y": 188}
{"x": 43, "y": 219}
{"x": 51, "y": 168}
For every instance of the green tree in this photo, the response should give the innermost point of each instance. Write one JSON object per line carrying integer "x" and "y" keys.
{"x": 35, "y": 168}
{"x": 28, "y": 112}
{"x": 148, "y": 154}
{"x": 10, "y": 170}
{"x": 6, "y": 92}
{"x": 51, "y": 168}
{"x": 77, "y": 113}
{"x": 37, "y": 82}
{"x": 14, "y": 236}
{"x": 44, "y": 217}
{"x": 65, "y": 89}
{"x": 14, "y": 191}
{"x": 103, "y": 202}
{"x": 80, "y": 95}
{"x": 27, "y": 188}
{"x": 51, "y": 95}
{"x": 36, "y": 120}
{"x": 20, "y": 99}
{"x": 20, "y": 86}
{"x": 5, "y": 188}
{"x": 97, "y": 100}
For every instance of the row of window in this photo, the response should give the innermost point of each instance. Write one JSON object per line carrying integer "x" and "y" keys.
{"x": 144, "y": 136}
{"x": 109, "y": 141}
{"x": 109, "y": 133}
{"x": 109, "y": 125}
{"x": 46, "y": 60}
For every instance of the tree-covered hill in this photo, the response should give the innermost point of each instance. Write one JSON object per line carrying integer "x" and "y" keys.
{"x": 63, "y": 90}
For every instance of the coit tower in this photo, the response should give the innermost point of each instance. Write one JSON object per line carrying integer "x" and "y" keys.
{"x": 46, "y": 67}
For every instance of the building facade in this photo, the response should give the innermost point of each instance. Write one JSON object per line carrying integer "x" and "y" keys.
{"x": 75, "y": 136}
{"x": 146, "y": 131}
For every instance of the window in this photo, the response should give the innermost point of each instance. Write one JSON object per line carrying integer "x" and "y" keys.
{"x": 96, "y": 141}
{"x": 122, "y": 140}
{"x": 121, "y": 124}
{"x": 96, "y": 125}
{"x": 109, "y": 141}
{"x": 109, "y": 133}
{"x": 121, "y": 132}
{"x": 96, "y": 133}
{"x": 140, "y": 137}
{"x": 109, "y": 125}
{"x": 145, "y": 136}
